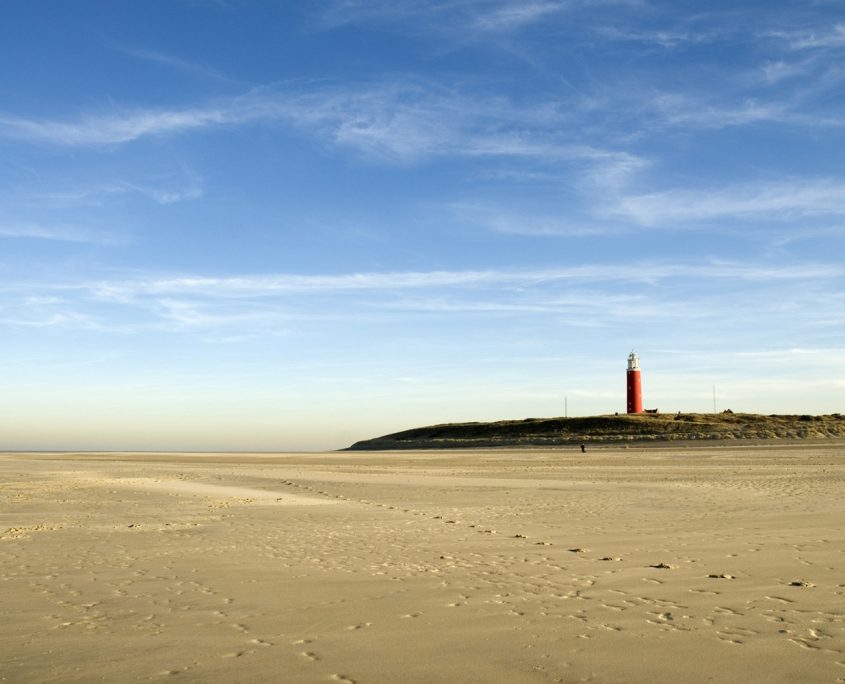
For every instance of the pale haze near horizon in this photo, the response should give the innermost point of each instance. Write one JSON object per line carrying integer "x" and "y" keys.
{"x": 258, "y": 226}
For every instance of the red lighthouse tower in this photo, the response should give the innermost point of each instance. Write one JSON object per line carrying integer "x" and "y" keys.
{"x": 635, "y": 387}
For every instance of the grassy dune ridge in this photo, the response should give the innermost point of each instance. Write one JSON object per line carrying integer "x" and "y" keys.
{"x": 622, "y": 428}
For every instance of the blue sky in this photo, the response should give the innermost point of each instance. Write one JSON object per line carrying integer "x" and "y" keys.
{"x": 276, "y": 225}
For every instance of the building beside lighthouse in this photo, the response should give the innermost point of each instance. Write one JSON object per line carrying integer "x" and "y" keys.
{"x": 635, "y": 386}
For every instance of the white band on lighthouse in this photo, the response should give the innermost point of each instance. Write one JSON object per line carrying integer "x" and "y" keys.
{"x": 633, "y": 361}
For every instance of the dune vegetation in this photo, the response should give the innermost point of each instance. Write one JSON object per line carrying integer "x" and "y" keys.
{"x": 613, "y": 429}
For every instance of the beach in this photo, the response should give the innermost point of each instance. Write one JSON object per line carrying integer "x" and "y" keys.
{"x": 718, "y": 563}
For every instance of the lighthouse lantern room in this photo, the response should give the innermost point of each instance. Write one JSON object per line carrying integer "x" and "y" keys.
{"x": 635, "y": 388}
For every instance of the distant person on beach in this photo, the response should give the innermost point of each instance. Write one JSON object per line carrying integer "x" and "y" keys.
{"x": 583, "y": 448}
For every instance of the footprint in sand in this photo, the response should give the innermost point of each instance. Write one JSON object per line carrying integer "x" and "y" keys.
{"x": 236, "y": 654}
{"x": 721, "y": 575}
{"x": 171, "y": 673}
{"x": 801, "y": 583}
{"x": 343, "y": 679}
{"x": 611, "y": 606}
{"x": 779, "y": 599}
{"x": 662, "y": 566}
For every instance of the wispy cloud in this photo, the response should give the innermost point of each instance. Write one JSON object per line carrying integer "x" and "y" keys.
{"x": 683, "y": 110}
{"x": 478, "y": 16}
{"x": 483, "y": 15}
{"x": 165, "y": 195}
{"x": 63, "y": 319}
{"x": 94, "y": 194}
{"x": 281, "y": 284}
{"x": 667, "y": 38}
{"x": 119, "y": 127}
{"x": 285, "y": 284}
{"x": 592, "y": 307}
{"x": 790, "y": 236}
{"x": 365, "y": 117}
{"x": 59, "y": 233}
{"x": 514, "y": 15}
{"x": 192, "y": 314}
{"x": 176, "y": 63}
{"x": 411, "y": 120}
{"x": 778, "y": 200}
{"x": 406, "y": 119}
{"x": 807, "y": 296}
{"x": 776, "y": 71}
{"x": 397, "y": 121}
{"x": 827, "y": 37}
{"x": 508, "y": 221}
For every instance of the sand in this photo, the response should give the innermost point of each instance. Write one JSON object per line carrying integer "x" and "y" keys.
{"x": 619, "y": 565}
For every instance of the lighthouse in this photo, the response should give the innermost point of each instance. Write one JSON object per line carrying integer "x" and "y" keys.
{"x": 635, "y": 387}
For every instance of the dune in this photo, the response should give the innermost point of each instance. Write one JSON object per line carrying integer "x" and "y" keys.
{"x": 637, "y": 429}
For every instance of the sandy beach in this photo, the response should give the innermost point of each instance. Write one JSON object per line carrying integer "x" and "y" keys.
{"x": 721, "y": 564}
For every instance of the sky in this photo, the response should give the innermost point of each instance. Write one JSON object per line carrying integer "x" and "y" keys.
{"x": 255, "y": 225}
